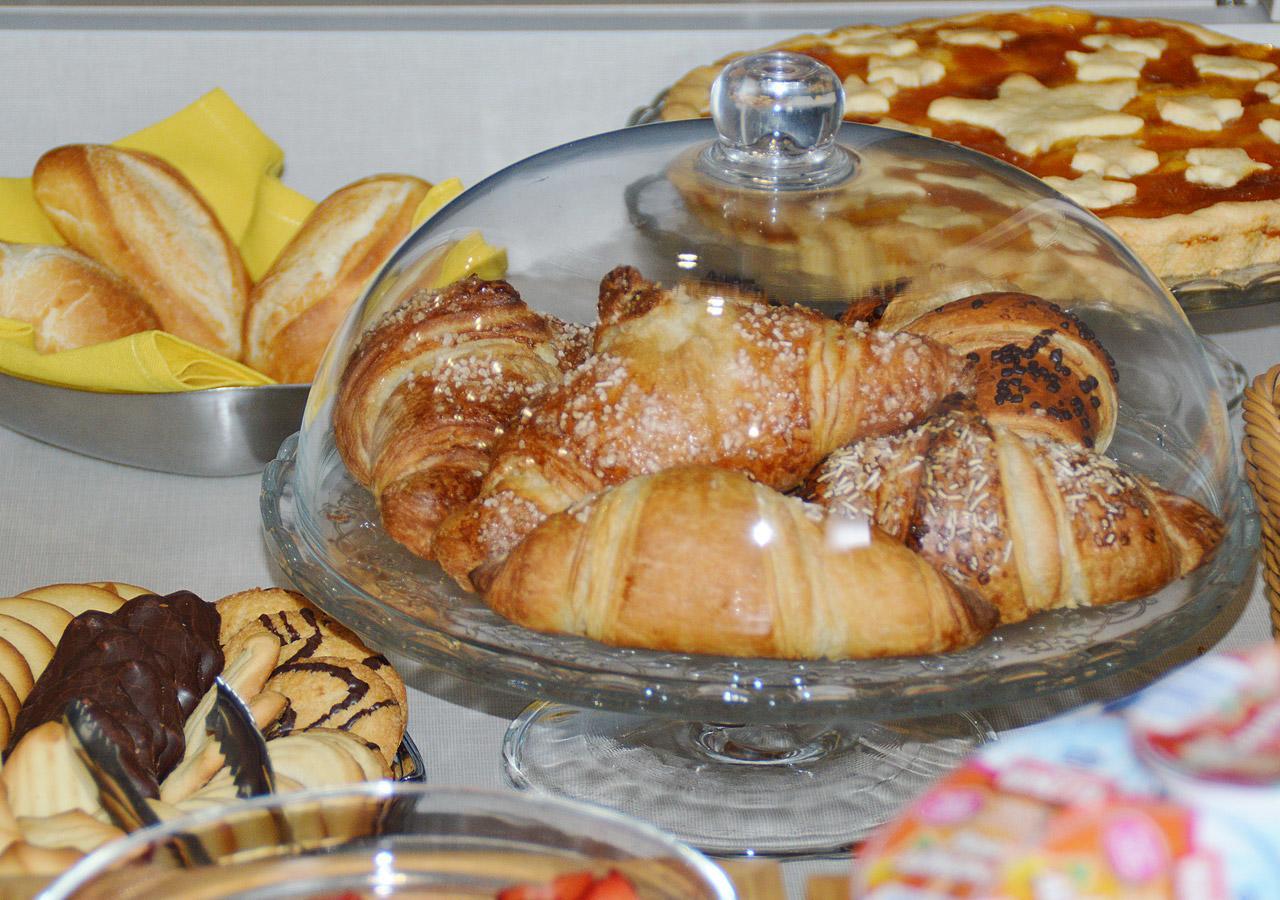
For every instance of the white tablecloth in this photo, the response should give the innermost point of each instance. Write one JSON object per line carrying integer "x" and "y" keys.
{"x": 344, "y": 105}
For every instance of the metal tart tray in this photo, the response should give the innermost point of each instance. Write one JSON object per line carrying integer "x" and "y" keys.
{"x": 220, "y": 431}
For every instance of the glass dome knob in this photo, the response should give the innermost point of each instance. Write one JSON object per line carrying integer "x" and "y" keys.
{"x": 777, "y": 114}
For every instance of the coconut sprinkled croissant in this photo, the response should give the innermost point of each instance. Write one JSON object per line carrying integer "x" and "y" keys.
{"x": 701, "y": 373}
{"x": 1028, "y": 523}
{"x": 764, "y": 575}
{"x": 431, "y": 387}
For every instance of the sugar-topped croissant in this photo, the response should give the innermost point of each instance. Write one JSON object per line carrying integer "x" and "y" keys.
{"x": 431, "y": 386}
{"x": 698, "y": 559}
{"x": 1028, "y": 523}
{"x": 702, "y": 373}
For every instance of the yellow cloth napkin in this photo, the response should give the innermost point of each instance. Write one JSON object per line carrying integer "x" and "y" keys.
{"x": 236, "y": 168}
{"x": 224, "y": 155}
{"x": 148, "y": 362}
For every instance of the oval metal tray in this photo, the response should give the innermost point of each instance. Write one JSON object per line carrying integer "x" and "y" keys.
{"x": 220, "y": 431}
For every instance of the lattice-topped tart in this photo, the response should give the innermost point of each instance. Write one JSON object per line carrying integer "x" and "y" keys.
{"x": 1168, "y": 131}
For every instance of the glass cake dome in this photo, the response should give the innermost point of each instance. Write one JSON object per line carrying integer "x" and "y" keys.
{"x": 775, "y": 203}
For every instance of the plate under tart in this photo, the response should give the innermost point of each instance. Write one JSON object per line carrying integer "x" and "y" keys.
{"x": 1250, "y": 286}
{"x": 214, "y": 432}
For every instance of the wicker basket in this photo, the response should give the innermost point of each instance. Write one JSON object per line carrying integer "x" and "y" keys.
{"x": 1262, "y": 465}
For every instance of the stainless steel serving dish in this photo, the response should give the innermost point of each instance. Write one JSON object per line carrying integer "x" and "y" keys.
{"x": 220, "y": 431}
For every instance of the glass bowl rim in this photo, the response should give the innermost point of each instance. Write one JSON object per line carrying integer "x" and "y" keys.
{"x": 79, "y": 875}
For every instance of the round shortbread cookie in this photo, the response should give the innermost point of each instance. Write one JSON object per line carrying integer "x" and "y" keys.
{"x": 46, "y": 618}
{"x": 77, "y": 598}
{"x": 35, "y": 648}
{"x": 121, "y": 589}
{"x": 340, "y": 693}
{"x": 14, "y": 668}
{"x": 9, "y": 699}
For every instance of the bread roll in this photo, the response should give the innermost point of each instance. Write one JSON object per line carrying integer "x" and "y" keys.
{"x": 702, "y": 560}
{"x": 140, "y": 216}
{"x": 299, "y": 303}
{"x": 71, "y": 300}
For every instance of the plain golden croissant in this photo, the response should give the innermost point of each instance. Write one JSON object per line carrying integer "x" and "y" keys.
{"x": 1028, "y": 523}
{"x": 431, "y": 386}
{"x": 1040, "y": 370}
{"x": 703, "y": 560}
{"x": 702, "y": 373}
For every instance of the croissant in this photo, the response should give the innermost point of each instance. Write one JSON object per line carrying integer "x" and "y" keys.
{"x": 431, "y": 386}
{"x": 1027, "y": 523}
{"x": 703, "y": 373}
{"x": 768, "y": 575}
{"x": 1040, "y": 370}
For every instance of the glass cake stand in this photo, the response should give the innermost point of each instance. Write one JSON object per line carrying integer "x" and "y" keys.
{"x": 756, "y": 756}
{"x": 749, "y": 755}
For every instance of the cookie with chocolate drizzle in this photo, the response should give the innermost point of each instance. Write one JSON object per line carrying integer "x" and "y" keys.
{"x": 305, "y": 632}
{"x": 329, "y": 692}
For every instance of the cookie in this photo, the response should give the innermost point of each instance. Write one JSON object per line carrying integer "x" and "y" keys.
{"x": 366, "y": 755}
{"x": 35, "y": 648}
{"x": 245, "y": 673}
{"x": 44, "y": 777}
{"x": 328, "y": 692}
{"x": 23, "y": 858}
{"x": 14, "y": 669}
{"x": 315, "y": 761}
{"x": 74, "y": 828}
{"x": 77, "y": 598}
{"x": 46, "y": 618}
{"x": 239, "y": 609}
{"x": 121, "y": 589}
{"x": 387, "y": 673}
{"x": 9, "y": 700}
{"x": 302, "y": 633}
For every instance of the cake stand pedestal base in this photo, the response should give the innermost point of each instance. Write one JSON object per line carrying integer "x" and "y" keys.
{"x": 739, "y": 790}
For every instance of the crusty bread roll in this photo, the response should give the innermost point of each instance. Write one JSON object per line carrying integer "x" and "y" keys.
{"x": 703, "y": 560}
{"x": 299, "y": 303}
{"x": 138, "y": 215}
{"x": 71, "y": 300}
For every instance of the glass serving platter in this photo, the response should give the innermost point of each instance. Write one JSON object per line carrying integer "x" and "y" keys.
{"x": 402, "y": 604}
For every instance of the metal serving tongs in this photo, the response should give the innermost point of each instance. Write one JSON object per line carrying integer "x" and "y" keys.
{"x": 239, "y": 741}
